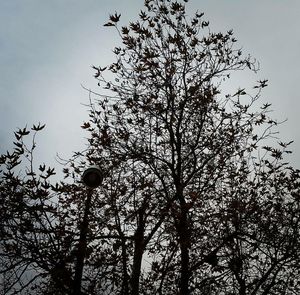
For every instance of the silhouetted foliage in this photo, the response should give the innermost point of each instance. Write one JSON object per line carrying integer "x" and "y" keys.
{"x": 193, "y": 199}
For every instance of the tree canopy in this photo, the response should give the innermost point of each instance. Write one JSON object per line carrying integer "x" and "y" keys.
{"x": 193, "y": 200}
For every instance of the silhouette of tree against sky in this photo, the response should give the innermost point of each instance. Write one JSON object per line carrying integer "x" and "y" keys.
{"x": 193, "y": 201}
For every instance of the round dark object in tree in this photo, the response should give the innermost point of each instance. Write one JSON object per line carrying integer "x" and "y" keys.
{"x": 92, "y": 177}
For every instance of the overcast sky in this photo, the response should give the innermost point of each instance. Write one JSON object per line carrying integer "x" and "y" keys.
{"x": 47, "y": 49}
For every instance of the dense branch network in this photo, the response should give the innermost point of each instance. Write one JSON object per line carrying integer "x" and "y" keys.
{"x": 193, "y": 201}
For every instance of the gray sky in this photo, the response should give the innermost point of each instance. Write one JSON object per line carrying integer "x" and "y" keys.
{"x": 47, "y": 49}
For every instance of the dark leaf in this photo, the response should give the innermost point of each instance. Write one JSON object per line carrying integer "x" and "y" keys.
{"x": 38, "y": 127}
{"x": 125, "y": 30}
{"x": 109, "y": 24}
{"x": 42, "y": 167}
{"x": 115, "y": 18}
{"x": 86, "y": 125}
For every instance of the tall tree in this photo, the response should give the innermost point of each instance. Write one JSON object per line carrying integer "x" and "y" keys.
{"x": 193, "y": 200}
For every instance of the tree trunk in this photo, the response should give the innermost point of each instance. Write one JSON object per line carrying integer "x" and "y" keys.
{"x": 184, "y": 241}
{"x": 138, "y": 256}
{"x": 125, "y": 284}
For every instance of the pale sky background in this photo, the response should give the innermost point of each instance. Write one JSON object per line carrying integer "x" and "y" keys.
{"x": 47, "y": 48}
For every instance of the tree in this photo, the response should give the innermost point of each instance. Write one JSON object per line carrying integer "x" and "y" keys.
{"x": 35, "y": 240}
{"x": 193, "y": 200}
